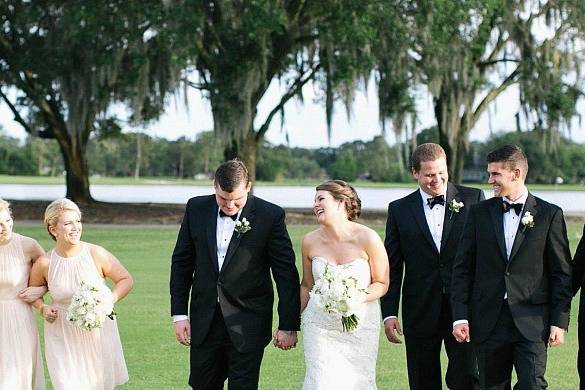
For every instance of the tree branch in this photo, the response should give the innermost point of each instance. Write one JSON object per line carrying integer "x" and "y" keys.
{"x": 494, "y": 93}
{"x": 293, "y": 90}
{"x": 17, "y": 117}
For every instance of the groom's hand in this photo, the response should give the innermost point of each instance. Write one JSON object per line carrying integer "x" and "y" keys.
{"x": 556, "y": 337}
{"x": 461, "y": 333}
{"x": 283, "y": 339}
{"x": 393, "y": 330}
{"x": 183, "y": 332}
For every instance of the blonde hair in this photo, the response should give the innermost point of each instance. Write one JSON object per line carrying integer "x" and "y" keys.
{"x": 5, "y": 206}
{"x": 56, "y": 209}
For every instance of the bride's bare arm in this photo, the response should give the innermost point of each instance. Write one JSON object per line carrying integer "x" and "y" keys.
{"x": 379, "y": 267}
{"x": 307, "y": 281}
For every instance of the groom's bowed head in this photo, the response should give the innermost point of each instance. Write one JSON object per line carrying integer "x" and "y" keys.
{"x": 232, "y": 185}
{"x": 429, "y": 168}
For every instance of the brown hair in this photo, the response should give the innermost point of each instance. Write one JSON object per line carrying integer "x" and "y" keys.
{"x": 341, "y": 190}
{"x": 231, "y": 174}
{"x": 512, "y": 156}
{"x": 56, "y": 209}
{"x": 426, "y": 152}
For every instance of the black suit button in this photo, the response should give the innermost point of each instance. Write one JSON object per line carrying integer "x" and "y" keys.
{"x": 219, "y": 283}
{"x": 441, "y": 265}
{"x": 507, "y": 273}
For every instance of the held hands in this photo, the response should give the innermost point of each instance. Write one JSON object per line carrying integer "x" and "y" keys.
{"x": 284, "y": 339}
{"x": 183, "y": 332}
{"x": 49, "y": 313}
{"x": 461, "y": 333}
{"x": 556, "y": 337}
{"x": 393, "y": 330}
{"x": 31, "y": 294}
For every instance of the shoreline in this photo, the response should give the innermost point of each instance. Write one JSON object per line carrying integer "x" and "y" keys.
{"x": 31, "y": 211}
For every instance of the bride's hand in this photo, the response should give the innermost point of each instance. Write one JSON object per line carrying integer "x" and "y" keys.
{"x": 49, "y": 313}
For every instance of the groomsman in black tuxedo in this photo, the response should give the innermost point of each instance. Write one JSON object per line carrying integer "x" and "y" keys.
{"x": 579, "y": 283}
{"x": 422, "y": 235}
{"x": 228, "y": 245}
{"x": 511, "y": 290}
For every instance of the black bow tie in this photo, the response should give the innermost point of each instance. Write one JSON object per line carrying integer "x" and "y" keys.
{"x": 516, "y": 206}
{"x": 439, "y": 199}
{"x": 233, "y": 217}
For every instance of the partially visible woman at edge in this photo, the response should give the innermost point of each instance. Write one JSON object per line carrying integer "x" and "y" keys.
{"x": 76, "y": 358}
{"x": 336, "y": 358}
{"x": 21, "y": 365}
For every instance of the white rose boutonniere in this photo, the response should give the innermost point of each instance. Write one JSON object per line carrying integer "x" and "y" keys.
{"x": 455, "y": 206}
{"x": 527, "y": 220}
{"x": 242, "y": 226}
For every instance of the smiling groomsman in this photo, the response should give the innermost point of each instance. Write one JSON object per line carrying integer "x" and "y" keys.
{"x": 422, "y": 235}
{"x": 511, "y": 290}
{"x": 229, "y": 245}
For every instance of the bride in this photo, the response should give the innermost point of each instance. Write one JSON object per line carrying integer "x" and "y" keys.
{"x": 336, "y": 358}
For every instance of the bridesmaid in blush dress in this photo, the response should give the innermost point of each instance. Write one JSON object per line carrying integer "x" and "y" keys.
{"x": 76, "y": 358}
{"x": 20, "y": 354}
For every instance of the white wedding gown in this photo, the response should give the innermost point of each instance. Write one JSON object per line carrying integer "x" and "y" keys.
{"x": 335, "y": 359}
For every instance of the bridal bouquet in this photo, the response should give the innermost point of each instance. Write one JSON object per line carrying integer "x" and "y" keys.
{"x": 335, "y": 292}
{"x": 90, "y": 305}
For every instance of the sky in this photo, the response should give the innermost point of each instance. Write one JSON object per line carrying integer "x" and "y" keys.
{"x": 305, "y": 122}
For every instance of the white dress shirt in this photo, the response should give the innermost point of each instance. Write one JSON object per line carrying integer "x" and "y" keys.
{"x": 435, "y": 218}
{"x": 223, "y": 235}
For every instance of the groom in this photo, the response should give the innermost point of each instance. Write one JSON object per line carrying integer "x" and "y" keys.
{"x": 228, "y": 245}
{"x": 511, "y": 290}
{"x": 422, "y": 235}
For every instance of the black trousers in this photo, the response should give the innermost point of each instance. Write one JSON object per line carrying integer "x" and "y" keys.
{"x": 581, "y": 354}
{"x": 505, "y": 349}
{"x": 216, "y": 360}
{"x": 423, "y": 358}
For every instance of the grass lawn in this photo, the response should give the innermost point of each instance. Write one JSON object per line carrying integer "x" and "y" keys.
{"x": 8, "y": 179}
{"x": 156, "y": 361}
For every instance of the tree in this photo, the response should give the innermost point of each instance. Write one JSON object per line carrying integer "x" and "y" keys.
{"x": 68, "y": 62}
{"x": 241, "y": 47}
{"x": 468, "y": 52}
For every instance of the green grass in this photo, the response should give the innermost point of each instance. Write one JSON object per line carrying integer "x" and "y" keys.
{"x": 7, "y": 179}
{"x": 156, "y": 361}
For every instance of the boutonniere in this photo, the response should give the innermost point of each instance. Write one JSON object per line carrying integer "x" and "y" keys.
{"x": 527, "y": 220}
{"x": 454, "y": 207}
{"x": 242, "y": 226}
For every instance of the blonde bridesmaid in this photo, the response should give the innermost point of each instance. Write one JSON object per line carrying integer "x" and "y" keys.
{"x": 76, "y": 358}
{"x": 20, "y": 354}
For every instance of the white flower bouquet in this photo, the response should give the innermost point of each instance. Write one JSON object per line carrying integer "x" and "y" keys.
{"x": 90, "y": 305}
{"x": 335, "y": 292}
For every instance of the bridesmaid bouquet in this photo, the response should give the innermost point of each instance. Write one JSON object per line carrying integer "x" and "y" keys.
{"x": 335, "y": 292}
{"x": 90, "y": 305}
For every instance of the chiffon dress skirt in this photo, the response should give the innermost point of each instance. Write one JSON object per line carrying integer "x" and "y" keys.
{"x": 80, "y": 359}
{"x": 21, "y": 365}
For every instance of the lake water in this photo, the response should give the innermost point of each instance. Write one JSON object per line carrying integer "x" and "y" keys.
{"x": 290, "y": 197}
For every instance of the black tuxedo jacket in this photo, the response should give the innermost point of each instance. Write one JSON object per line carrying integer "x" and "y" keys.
{"x": 243, "y": 285}
{"x": 579, "y": 276}
{"x": 409, "y": 245}
{"x": 536, "y": 277}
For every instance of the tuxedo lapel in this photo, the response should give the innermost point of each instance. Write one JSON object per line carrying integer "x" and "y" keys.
{"x": 530, "y": 206}
{"x": 248, "y": 213}
{"x": 497, "y": 215}
{"x": 450, "y": 216}
{"x": 212, "y": 235}
{"x": 416, "y": 207}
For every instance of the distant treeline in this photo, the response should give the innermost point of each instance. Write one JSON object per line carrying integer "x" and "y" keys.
{"x": 140, "y": 155}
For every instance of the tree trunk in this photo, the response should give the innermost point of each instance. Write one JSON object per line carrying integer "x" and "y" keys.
{"x": 77, "y": 171}
{"x": 138, "y": 157}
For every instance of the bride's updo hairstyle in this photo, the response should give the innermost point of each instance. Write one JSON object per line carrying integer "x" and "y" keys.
{"x": 54, "y": 211}
{"x": 341, "y": 190}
